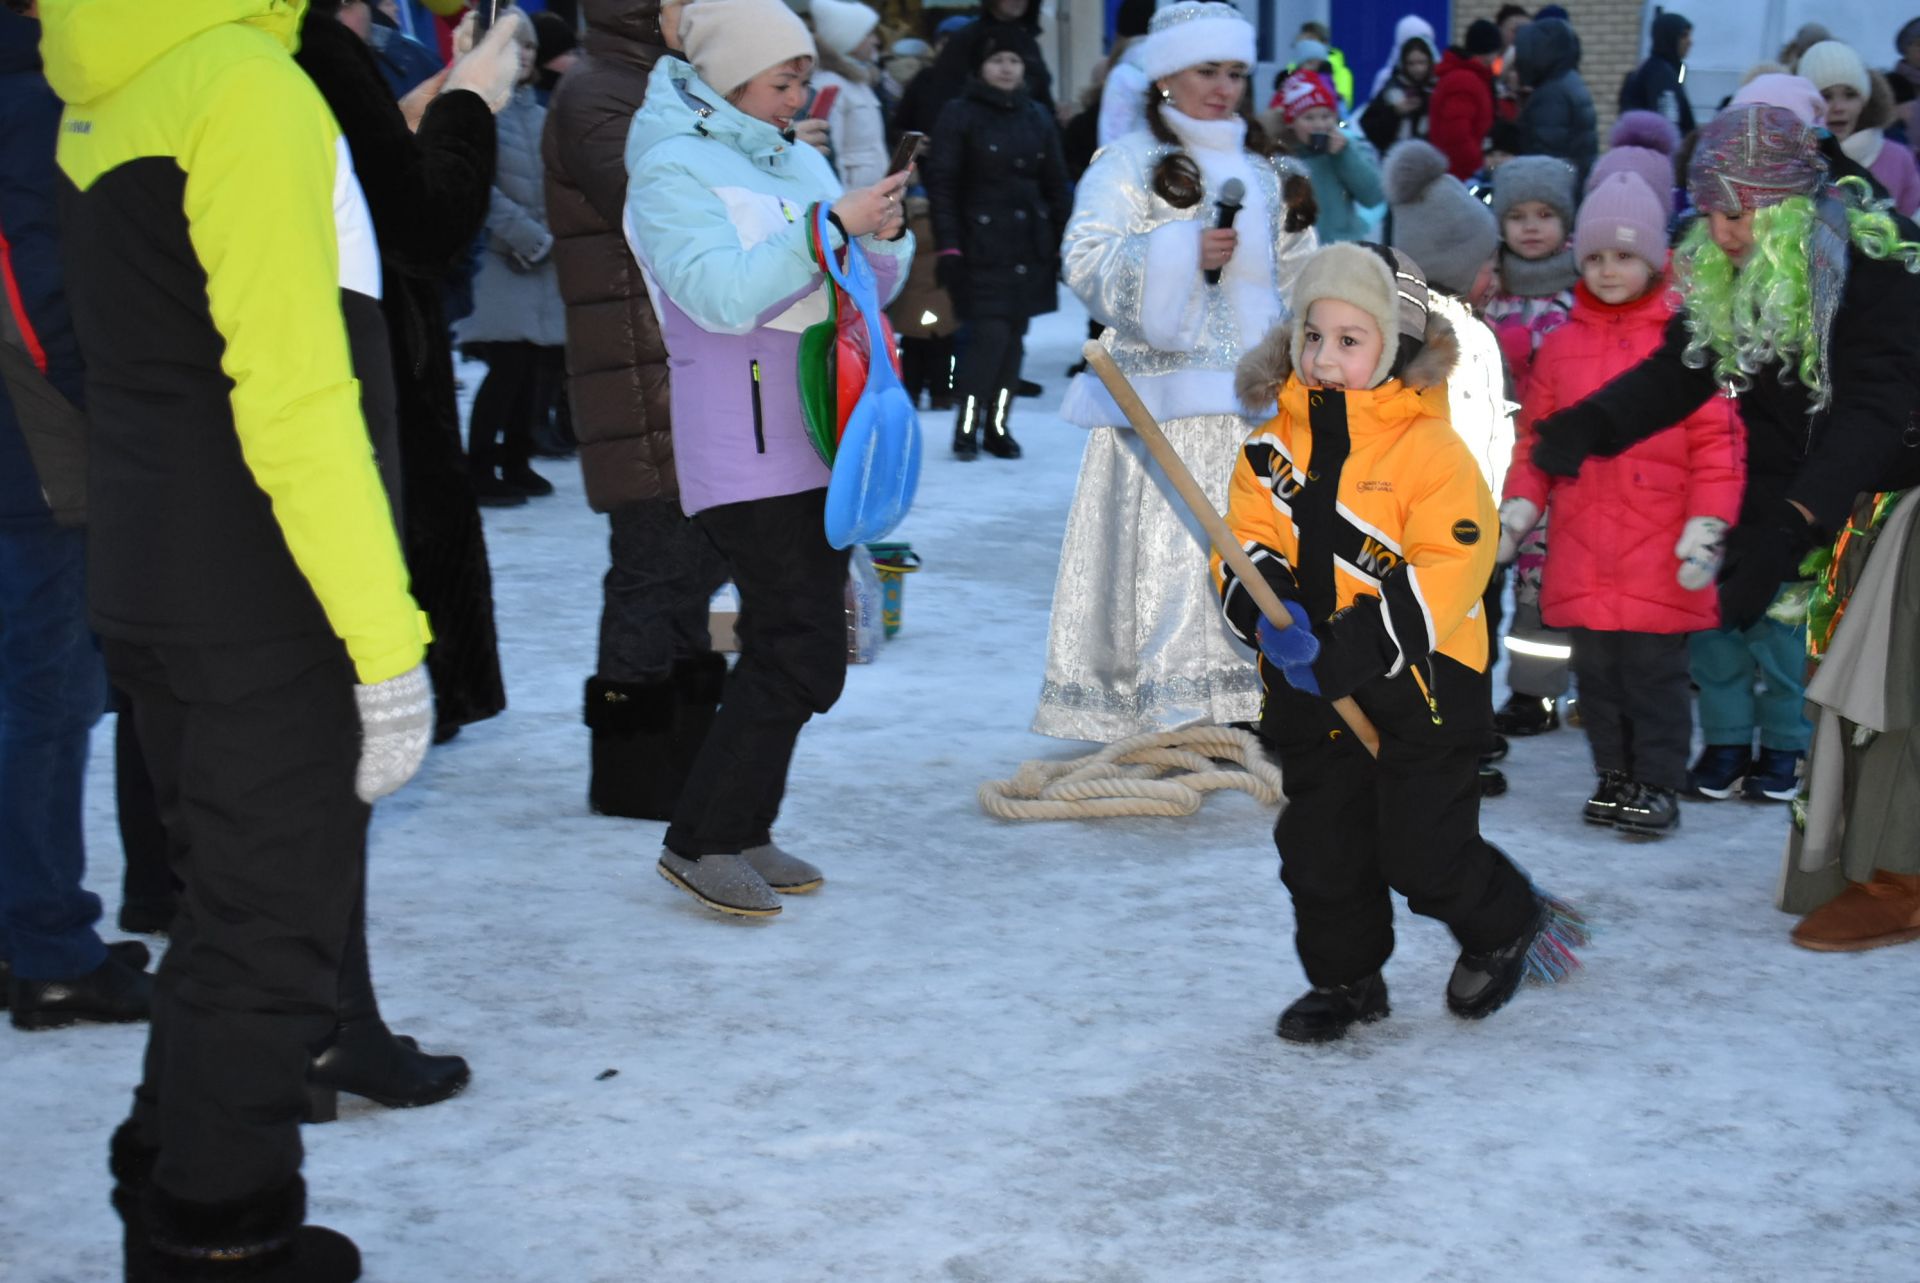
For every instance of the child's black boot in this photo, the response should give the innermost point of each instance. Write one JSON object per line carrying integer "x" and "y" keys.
{"x": 1647, "y": 811}
{"x": 1325, "y": 1014}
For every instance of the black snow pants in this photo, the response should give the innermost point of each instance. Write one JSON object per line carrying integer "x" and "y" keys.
{"x": 793, "y": 664}
{"x": 662, "y": 574}
{"x": 252, "y": 752}
{"x": 1636, "y": 700}
{"x": 1355, "y": 829}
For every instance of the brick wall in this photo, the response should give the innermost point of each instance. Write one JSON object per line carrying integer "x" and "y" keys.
{"x": 1610, "y": 45}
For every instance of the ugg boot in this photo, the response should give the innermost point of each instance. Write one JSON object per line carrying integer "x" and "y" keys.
{"x": 634, "y": 767}
{"x": 724, "y": 882}
{"x": 1867, "y": 915}
{"x": 966, "y": 431}
{"x": 262, "y": 1239}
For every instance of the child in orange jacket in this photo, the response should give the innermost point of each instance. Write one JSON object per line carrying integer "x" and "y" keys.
{"x": 1369, "y": 517}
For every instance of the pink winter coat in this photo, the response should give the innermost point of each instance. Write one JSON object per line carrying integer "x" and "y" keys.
{"x": 1610, "y": 563}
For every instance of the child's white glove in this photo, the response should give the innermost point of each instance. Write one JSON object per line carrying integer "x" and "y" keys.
{"x": 1518, "y": 517}
{"x": 493, "y": 68}
{"x": 396, "y": 726}
{"x": 1699, "y": 551}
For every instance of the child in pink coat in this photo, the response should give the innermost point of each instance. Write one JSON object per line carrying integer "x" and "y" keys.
{"x": 1635, "y": 536}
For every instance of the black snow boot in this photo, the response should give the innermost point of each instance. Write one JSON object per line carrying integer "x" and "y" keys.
{"x": 118, "y": 991}
{"x": 1528, "y": 715}
{"x": 1647, "y": 811}
{"x": 1323, "y": 1015}
{"x": 261, "y": 1239}
{"x": 966, "y": 431}
{"x": 1604, "y": 806}
{"x": 995, "y": 439}
{"x": 633, "y": 757}
{"x": 1482, "y": 983}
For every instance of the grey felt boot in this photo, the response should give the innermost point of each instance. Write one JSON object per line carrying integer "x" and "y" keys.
{"x": 787, "y": 874}
{"x": 723, "y": 882}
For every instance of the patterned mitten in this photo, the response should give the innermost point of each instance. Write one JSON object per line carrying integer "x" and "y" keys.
{"x": 396, "y": 726}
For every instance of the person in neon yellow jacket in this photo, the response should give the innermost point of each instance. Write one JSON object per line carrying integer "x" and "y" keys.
{"x": 246, "y": 577}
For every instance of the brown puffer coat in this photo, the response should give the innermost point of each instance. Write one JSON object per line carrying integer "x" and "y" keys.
{"x": 616, "y": 361}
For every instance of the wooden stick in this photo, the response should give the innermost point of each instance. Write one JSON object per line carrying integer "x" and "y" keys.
{"x": 1196, "y": 500}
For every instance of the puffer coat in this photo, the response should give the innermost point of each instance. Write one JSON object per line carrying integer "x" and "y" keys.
{"x": 516, "y": 296}
{"x": 1558, "y": 118}
{"x": 616, "y": 361}
{"x": 998, "y": 182}
{"x": 1610, "y": 563}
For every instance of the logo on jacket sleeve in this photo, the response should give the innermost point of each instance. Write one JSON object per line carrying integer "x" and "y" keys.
{"x": 1466, "y": 532}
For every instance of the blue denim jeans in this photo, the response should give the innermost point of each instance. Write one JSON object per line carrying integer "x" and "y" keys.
{"x": 53, "y": 689}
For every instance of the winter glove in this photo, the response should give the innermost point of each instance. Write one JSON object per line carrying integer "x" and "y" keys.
{"x": 1760, "y": 556}
{"x": 528, "y": 261}
{"x": 1518, "y": 517}
{"x": 396, "y": 725}
{"x": 493, "y": 68}
{"x": 1563, "y": 441}
{"x": 1287, "y": 647}
{"x": 1699, "y": 551}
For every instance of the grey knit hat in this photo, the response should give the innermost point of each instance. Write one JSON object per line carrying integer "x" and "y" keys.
{"x": 1436, "y": 220}
{"x": 1547, "y": 179}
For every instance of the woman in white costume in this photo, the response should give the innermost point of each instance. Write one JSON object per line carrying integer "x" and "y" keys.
{"x": 1137, "y": 643}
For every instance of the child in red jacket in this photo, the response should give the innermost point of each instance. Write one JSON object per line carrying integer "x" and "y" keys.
{"x": 1618, "y": 527}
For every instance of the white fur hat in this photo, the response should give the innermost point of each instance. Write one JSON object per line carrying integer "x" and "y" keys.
{"x": 1195, "y": 31}
{"x": 839, "y": 25}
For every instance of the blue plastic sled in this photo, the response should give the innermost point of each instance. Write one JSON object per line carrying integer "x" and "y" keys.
{"x": 877, "y": 468}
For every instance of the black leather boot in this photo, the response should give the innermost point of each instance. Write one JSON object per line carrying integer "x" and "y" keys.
{"x": 368, "y": 1059}
{"x": 118, "y": 991}
{"x": 262, "y": 1239}
{"x": 1325, "y": 1014}
{"x": 633, "y": 751}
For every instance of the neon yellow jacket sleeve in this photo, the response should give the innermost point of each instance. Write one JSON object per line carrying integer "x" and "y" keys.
{"x": 261, "y": 165}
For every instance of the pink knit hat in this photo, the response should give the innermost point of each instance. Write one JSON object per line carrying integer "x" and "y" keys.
{"x": 1642, "y": 143}
{"x": 1775, "y": 89}
{"x": 1622, "y": 213}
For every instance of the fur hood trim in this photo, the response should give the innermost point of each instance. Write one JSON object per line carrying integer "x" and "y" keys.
{"x": 1264, "y": 370}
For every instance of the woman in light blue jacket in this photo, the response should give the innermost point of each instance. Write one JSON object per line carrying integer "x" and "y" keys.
{"x": 720, "y": 198}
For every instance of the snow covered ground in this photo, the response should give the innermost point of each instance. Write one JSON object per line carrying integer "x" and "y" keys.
{"x": 998, "y": 1053}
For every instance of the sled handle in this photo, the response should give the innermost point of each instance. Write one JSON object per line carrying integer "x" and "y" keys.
{"x": 1202, "y": 508}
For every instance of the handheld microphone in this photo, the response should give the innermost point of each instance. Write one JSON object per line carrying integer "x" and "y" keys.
{"x": 1232, "y": 192}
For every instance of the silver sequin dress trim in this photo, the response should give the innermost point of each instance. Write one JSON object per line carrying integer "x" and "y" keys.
{"x": 1136, "y": 642}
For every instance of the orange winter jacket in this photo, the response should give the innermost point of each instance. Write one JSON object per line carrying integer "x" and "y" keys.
{"x": 1404, "y": 549}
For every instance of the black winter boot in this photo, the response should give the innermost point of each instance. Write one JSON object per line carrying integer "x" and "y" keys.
{"x": 1604, "y": 806}
{"x": 368, "y": 1059}
{"x": 118, "y": 991}
{"x": 995, "y": 439}
{"x": 966, "y": 431}
{"x": 1647, "y": 811}
{"x": 1323, "y": 1015}
{"x": 634, "y": 773}
{"x": 261, "y": 1239}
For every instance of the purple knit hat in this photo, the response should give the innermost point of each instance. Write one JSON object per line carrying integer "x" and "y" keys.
{"x": 1642, "y": 144}
{"x": 1622, "y": 213}
{"x": 1752, "y": 157}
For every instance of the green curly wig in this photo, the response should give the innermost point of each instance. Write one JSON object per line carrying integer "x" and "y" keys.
{"x": 1745, "y": 317}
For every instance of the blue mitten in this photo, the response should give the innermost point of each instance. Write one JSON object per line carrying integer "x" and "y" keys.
{"x": 1289, "y": 647}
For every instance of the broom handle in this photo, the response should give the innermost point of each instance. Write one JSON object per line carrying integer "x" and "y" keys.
{"x": 1196, "y": 500}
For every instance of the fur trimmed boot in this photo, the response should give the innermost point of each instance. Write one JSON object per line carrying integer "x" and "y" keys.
{"x": 261, "y": 1239}
{"x": 634, "y": 773}
{"x": 1867, "y": 915}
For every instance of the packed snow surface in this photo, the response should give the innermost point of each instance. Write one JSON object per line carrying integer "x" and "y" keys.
{"x": 1003, "y": 1052}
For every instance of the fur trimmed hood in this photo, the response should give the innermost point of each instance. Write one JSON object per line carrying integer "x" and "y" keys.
{"x": 1264, "y": 370}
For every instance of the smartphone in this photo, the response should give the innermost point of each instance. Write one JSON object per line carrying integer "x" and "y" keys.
{"x": 903, "y": 153}
{"x": 820, "y": 104}
{"x": 1319, "y": 142}
{"x": 484, "y": 14}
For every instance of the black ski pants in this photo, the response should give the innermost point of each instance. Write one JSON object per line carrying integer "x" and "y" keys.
{"x": 1354, "y": 829}
{"x": 252, "y": 752}
{"x": 793, "y": 664}
{"x": 661, "y": 576}
{"x": 1636, "y": 699}
{"x": 989, "y": 365}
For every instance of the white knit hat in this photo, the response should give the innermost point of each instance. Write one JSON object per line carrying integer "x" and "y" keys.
{"x": 729, "y": 42}
{"x": 839, "y": 25}
{"x": 1832, "y": 63}
{"x": 1195, "y": 31}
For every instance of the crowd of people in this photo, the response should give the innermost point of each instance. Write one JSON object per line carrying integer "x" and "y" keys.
{"x": 1429, "y": 344}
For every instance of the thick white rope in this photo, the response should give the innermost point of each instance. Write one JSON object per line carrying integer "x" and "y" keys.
{"x": 1126, "y": 778}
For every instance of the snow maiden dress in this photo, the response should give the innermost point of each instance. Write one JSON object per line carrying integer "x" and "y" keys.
{"x": 1136, "y": 642}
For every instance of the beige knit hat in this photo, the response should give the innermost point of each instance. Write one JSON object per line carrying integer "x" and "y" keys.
{"x": 729, "y": 42}
{"x": 1385, "y": 284}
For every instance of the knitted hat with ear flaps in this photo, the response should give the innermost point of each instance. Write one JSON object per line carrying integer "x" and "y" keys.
{"x": 1384, "y": 283}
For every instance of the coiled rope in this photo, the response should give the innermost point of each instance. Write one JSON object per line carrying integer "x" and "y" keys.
{"x": 1126, "y": 778}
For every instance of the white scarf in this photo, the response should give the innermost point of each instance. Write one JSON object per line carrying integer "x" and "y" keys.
{"x": 1219, "y": 147}
{"x": 1862, "y": 146}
